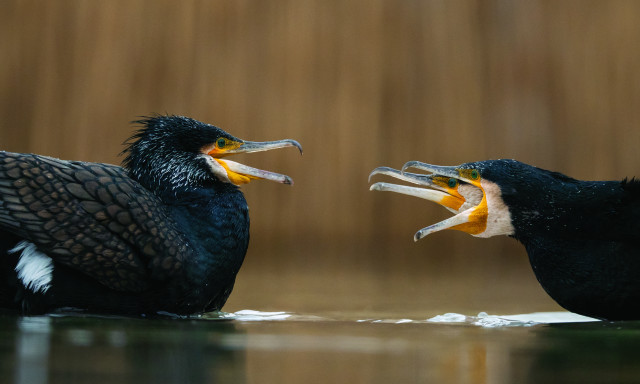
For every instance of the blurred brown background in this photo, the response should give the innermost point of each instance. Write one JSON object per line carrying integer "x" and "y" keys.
{"x": 360, "y": 83}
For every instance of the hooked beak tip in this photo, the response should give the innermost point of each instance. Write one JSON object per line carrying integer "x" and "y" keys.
{"x": 297, "y": 145}
{"x": 407, "y": 165}
{"x": 373, "y": 173}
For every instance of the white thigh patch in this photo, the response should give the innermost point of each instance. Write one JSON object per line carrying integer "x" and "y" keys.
{"x": 34, "y": 268}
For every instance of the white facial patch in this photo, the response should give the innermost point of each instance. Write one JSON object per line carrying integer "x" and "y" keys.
{"x": 34, "y": 268}
{"x": 472, "y": 196}
{"x": 217, "y": 169}
{"x": 499, "y": 217}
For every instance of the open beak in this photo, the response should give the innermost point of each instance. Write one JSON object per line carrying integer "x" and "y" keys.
{"x": 435, "y": 191}
{"x": 458, "y": 190}
{"x": 237, "y": 173}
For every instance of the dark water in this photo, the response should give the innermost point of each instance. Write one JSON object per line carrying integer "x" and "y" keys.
{"x": 340, "y": 326}
{"x": 309, "y": 349}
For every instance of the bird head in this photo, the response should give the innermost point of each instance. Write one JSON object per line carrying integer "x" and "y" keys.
{"x": 473, "y": 191}
{"x": 170, "y": 152}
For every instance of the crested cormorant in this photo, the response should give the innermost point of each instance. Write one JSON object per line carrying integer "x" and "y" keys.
{"x": 167, "y": 232}
{"x": 582, "y": 237}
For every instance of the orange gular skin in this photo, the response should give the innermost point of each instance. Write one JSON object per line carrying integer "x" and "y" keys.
{"x": 455, "y": 199}
{"x": 234, "y": 177}
{"x": 216, "y": 151}
{"x": 477, "y": 222}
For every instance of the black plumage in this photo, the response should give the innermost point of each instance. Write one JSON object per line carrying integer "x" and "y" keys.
{"x": 167, "y": 232}
{"x": 582, "y": 237}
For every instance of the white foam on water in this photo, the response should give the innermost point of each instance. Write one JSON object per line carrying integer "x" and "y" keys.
{"x": 482, "y": 319}
{"x": 552, "y": 317}
{"x": 448, "y": 318}
{"x": 522, "y": 320}
{"x": 251, "y": 315}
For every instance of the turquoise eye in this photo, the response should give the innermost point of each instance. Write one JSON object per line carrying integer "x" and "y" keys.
{"x": 474, "y": 174}
{"x": 221, "y": 143}
{"x": 453, "y": 182}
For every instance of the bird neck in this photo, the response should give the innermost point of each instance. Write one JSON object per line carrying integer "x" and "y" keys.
{"x": 215, "y": 220}
{"x": 575, "y": 211}
{"x": 210, "y": 213}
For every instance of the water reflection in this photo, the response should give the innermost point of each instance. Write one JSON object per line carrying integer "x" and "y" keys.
{"x": 603, "y": 352}
{"x": 271, "y": 347}
{"x": 48, "y": 349}
{"x": 32, "y": 350}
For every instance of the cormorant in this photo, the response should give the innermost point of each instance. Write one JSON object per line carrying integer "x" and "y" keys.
{"x": 582, "y": 237}
{"x": 166, "y": 232}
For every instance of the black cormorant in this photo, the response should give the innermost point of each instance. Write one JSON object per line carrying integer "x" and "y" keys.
{"x": 166, "y": 232}
{"x": 582, "y": 237}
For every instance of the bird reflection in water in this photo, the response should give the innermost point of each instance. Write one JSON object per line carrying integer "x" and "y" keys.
{"x": 72, "y": 348}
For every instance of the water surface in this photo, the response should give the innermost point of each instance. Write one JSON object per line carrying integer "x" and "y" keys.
{"x": 356, "y": 326}
{"x": 254, "y": 346}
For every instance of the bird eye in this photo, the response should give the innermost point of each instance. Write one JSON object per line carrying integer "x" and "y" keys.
{"x": 475, "y": 174}
{"x": 453, "y": 182}
{"x": 221, "y": 143}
